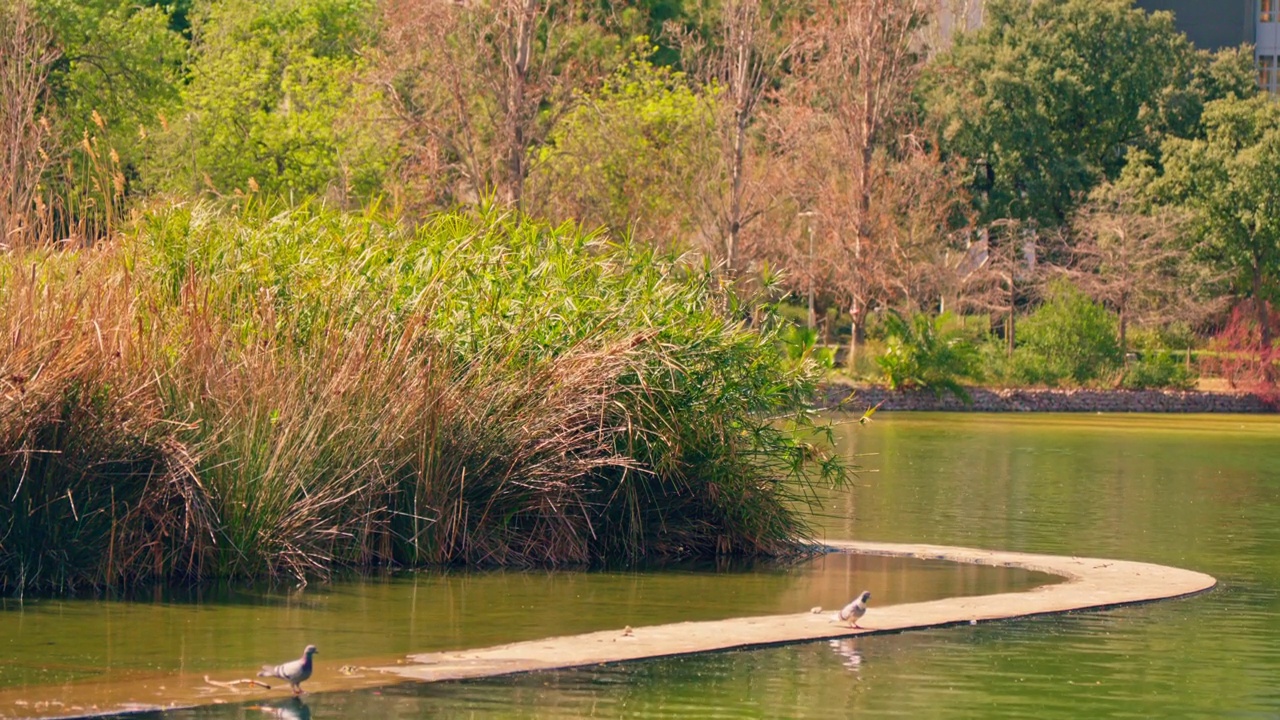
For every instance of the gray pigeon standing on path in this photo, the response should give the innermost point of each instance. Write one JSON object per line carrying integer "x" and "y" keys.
{"x": 854, "y": 611}
{"x": 295, "y": 671}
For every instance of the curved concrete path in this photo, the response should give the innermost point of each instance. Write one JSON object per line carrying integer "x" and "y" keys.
{"x": 1091, "y": 583}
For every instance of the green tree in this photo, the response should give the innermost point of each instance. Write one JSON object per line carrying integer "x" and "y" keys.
{"x": 1228, "y": 72}
{"x": 119, "y": 59}
{"x": 1048, "y": 96}
{"x": 629, "y": 156}
{"x": 276, "y": 102}
{"x": 119, "y": 71}
{"x": 1229, "y": 180}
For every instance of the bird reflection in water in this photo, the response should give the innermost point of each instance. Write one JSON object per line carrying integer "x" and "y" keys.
{"x": 288, "y": 709}
{"x": 847, "y": 648}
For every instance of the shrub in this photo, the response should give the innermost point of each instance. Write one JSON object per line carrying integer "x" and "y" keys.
{"x": 922, "y": 352}
{"x": 1069, "y": 337}
{"x": 1173, "y": 336}
{"x": 1239, "y": 355}
{"x": 993, "y": 358}
{"x": 1157, "y": 369}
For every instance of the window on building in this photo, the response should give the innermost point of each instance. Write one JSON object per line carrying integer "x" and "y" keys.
{"x": 1267, "y": 73}
{"x": 1267, "y": 10}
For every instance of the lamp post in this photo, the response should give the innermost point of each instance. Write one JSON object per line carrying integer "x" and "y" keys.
{"x": 808, "y": 216}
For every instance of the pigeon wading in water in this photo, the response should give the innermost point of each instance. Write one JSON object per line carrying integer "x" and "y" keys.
{"x": 295, "y": 671}
{"x": 854, "y": 611}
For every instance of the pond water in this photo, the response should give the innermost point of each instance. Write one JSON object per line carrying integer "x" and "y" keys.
{"x": 57, "y": 641}
{"x": 59, "y": 655}
{"x": 1201, "y": 492}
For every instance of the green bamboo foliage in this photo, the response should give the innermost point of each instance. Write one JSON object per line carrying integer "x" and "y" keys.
{"x": 290, "y": 392}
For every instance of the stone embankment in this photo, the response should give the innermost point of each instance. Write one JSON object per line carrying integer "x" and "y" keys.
{"x": 1044, "y": 400}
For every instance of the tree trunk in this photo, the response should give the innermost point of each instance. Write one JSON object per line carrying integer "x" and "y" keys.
{"x": 735, "y": 202}
{"x": 1123, "y": 325}
{"x": 864, "y": 175}
{"x": 1008, "y": 334}
{"x": 855, "y": 328}
{"x": 1010, "y": 328}
{"x": 1260, "y": 306}
{"x": 518, "y": 80}
{"x": 1264, "y": 323}
{"x": 812, "y": 314}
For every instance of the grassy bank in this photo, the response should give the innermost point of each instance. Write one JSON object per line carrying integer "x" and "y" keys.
{"x": 291, "y": 392}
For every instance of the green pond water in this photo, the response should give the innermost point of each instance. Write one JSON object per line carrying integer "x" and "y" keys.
{"x": 1201, "y": 492}
{"x": 366, "y": 621}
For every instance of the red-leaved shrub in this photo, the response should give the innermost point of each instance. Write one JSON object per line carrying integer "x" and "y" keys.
{"x": 1240, "y": 357}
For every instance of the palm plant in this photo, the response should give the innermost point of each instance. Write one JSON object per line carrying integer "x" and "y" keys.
{"x": 922, "y": 352}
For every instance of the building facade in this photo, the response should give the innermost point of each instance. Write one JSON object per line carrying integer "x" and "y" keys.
{"x": 1210, "y": 24}
{"x": 1266, "y": 37}
{"x": 1214, "y": 24}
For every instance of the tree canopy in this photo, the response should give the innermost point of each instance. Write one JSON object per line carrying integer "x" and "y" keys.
{"x": 1046, "y": 98}
{"x": 1230, "y": 182}
{"x": 629, "y": 156}
{"x": 275, "y": 103}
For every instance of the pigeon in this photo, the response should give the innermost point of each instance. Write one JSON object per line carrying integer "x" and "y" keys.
{"x": 295, "y": 671}
{"x": 852, "y": 612}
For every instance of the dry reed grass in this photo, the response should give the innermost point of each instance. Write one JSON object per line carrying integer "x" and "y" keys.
{"x": 293, "y": 393}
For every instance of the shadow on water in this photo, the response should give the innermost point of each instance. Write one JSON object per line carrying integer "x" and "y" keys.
{"x": 290, "y": 591}
{"x": 221, "y": 593}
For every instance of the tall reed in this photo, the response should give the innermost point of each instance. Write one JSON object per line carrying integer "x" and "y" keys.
{"x": 292, "y": 390}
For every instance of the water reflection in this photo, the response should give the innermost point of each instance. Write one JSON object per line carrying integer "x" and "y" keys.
{"x": 291, "y": 709}
{"x": 847, "y": 648}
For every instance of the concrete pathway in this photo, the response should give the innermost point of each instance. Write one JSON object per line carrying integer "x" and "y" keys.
{"x": 1091, "y": 583}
